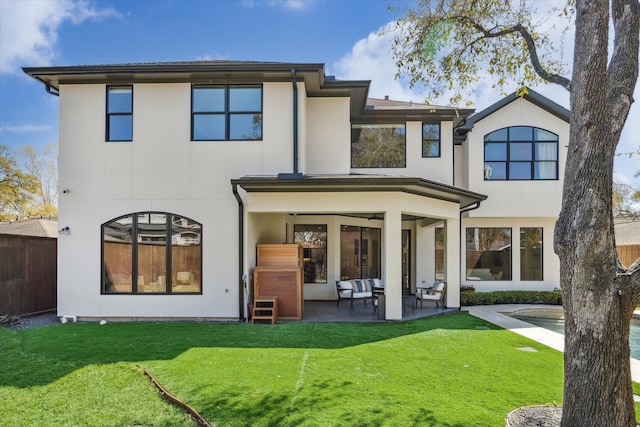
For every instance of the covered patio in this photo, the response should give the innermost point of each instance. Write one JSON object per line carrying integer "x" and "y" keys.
{"x": 271, "y": 207}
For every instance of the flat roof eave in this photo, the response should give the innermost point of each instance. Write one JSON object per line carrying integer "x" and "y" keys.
{"x": 359, "y": 183}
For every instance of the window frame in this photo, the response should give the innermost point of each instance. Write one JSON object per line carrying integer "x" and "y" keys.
{"x": 322, "y": 228}
{"x": 110, "y": 114}
{"x": 508, "y": 145}
{"x": 439, "y": 252}
{"x": 438, "y": 141}
{"x": 522, "y": 249}
{"x": 227, "y": 112}
{"x": 360, "y": 252}
{"x": 469, "y": 270}
{"x": 402, "y": 125}
{"x": 136, "y": 239}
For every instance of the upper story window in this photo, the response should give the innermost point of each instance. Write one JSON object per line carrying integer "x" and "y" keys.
{"x": 378, "y": 146}
{"x": 152, "y": 253}
{"x": 431, "y": 140}
{"x": 119, "y": 113}
{"x": 521, "y": 153}
{"x": 226, "y": 113}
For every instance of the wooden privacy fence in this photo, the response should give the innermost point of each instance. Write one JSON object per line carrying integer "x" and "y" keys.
{"x": 28, "y": 274}
{"x": 628, "y": 254}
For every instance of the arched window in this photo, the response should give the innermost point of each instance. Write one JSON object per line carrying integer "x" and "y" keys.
{"x": 151, "y": 252}
{"x": 521, "y": 153}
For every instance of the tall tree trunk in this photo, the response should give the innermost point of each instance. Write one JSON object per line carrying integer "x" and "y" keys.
{"x": 598, "y": 297}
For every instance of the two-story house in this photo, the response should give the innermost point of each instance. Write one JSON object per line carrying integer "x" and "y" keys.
{"x": 172, "y": 173}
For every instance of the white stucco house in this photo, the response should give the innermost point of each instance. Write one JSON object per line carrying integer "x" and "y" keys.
{"x": 172, "y": 173}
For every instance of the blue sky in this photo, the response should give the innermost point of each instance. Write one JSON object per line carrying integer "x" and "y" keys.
{"x": 342, "y": 34}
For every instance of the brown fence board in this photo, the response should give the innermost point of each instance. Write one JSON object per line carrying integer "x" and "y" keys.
{"x": 28, "y": 274}
{"x": 628, "y": 254}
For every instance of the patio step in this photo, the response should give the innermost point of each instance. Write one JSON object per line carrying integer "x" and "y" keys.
{"x": 265, "y": 308}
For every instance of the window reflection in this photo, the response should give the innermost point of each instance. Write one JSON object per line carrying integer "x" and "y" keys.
{"x": 119, "y": 113}
{"x": 521, "y": 153}
{"x": 531, "y": 254}
{"x": 359, "y": 252}
{"x": 186, "y": 255}
{"x": 137, "y": 249}
{"x": 378, "y": 146}
{"x": 231, "y": 112}
{"x": 117, "y": 253}
{"x": 488, "y": 253}
{"x": 313, "y": 239}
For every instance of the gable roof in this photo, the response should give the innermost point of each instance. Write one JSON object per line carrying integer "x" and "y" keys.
{"x": 530, "y": 95}
{"x": 31, "y": 227}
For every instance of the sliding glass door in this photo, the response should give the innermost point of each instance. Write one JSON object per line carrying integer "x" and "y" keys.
{"x": 359, "y": 252}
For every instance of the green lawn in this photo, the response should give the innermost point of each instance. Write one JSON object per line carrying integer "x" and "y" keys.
{"x": 440, "y": 371}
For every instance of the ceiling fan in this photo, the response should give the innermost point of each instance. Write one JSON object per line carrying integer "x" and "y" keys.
{"x": 375, "y": 216}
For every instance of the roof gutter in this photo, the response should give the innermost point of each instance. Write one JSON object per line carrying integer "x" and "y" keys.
{"x": 51, "y": 90}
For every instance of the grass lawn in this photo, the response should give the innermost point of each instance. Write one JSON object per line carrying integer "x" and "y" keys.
{"x": 440, "y": 371}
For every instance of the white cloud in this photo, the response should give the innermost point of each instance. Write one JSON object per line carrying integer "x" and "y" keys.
{"x": 371, "y": 59}
{"x": 26, "y": 128}
{"x": 29, "y": 29}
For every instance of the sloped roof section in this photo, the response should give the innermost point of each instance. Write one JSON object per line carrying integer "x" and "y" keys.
{"x": 31, "y": 227}
{"x": 627, "y": 233}
{"x": 530, "y": 95}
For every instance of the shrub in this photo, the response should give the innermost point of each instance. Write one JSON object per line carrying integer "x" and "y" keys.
{"x": 511, "y": 297}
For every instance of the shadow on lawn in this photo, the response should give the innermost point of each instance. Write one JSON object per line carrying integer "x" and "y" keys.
{"x": 39, "y": 356}
{"x": 314, "y": 405}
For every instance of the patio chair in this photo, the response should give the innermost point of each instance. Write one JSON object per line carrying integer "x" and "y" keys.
{"x": 376, "y": 293}
{"x": 434, "y": 293}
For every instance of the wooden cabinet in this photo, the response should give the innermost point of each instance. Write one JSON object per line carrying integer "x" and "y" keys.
{"x": 279, "y": 255}
{"x": 279, "y": 274}
{"x": 285, "y": 283}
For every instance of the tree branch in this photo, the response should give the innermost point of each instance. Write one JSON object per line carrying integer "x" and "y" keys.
{"x": 622, "y": 73}
{"x": 634, "y": 280}
{"x": 531, "y": 48}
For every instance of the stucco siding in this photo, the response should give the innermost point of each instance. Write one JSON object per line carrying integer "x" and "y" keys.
{"x": 328, "y": 148}
{"x": 550, "y": 261}
{"x": 516, "y": 198}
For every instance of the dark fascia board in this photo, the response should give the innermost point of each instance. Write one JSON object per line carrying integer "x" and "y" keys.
{"x": 531, "y": 96}
{"x": 360, "y": 183}
{"x": 203, "y": 72}
{"x": 457, "y": 116}
{"x": 161, "y": 72}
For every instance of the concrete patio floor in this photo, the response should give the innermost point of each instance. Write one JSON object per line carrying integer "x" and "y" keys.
{"x": 329, "y": 311}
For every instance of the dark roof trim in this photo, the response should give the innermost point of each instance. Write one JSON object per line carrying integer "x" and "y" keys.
{"x": 360, "y": 183}
{"x": 531, "y": 96}
{"x": 317, "y": 84}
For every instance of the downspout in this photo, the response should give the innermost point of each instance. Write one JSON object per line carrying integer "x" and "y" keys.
{"x": 242, "y": 279}
{"x": 295, "y": 121}
{"x": 295, "y": 174}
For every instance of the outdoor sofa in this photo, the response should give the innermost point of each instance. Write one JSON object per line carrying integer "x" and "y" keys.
{"x": 357, "y": 289}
